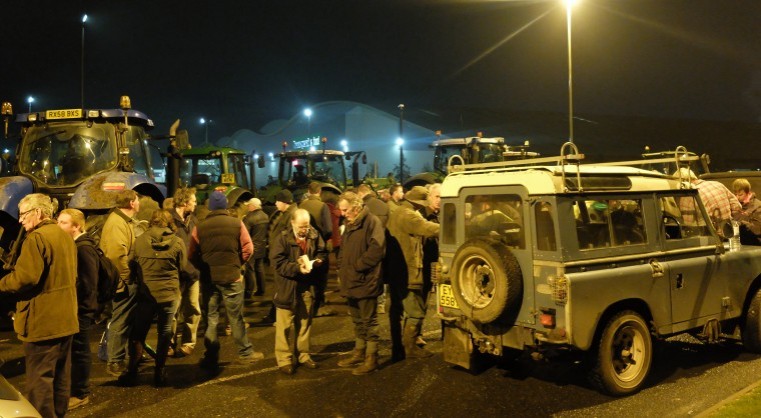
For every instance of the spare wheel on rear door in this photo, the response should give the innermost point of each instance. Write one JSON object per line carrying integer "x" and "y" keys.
{"x": 486, "y": 279}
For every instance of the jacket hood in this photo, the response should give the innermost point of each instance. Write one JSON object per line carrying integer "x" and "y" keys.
{"x": 160, "y": 238}
{"x": 85, "y": 239}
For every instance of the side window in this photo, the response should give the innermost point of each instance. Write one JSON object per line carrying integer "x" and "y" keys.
{"x": 495, "y": 216}
{"x": 609, "y": 223}
{"x": 545, "y": 227}
{"x": 449, "y": 216}
{"x": 682, "y": 218}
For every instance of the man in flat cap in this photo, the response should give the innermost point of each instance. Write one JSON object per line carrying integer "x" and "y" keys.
{"x": 408, "y": 229}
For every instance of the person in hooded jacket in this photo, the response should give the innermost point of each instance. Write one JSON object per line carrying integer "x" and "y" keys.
{"x": 160, "y": 255}
{"x": 359, "y": 267}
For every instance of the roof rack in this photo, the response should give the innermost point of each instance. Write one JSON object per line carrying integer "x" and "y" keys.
{"x": 569, "y": 154}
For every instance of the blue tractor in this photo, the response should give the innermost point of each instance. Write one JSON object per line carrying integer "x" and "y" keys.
{"x": 81, "y": 157}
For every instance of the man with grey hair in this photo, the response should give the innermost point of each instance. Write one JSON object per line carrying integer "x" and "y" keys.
{"x": 359, "y": 270}
{"x": 257, "y": 223}
{"x": 44, "y": 281}
{"x": 298, "y": 257}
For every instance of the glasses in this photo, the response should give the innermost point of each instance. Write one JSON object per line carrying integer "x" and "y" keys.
{"x": 22, "y": 215}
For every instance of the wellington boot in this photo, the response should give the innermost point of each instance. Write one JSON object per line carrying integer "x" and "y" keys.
{"x": 411, "y": 350}
{"x": 370, "y": 364}
{"x": 357, "y": 357}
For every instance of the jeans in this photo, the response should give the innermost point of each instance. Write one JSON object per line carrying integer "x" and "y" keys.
{"x": 254, "y": 274}
{"x": 146, "y": 308}
{"x": 231, "y": 295}
{"x": 81, "y": 359}
{"x": 121, "y": 323}
{"x": 189, "y": 314}
{"x": 48, "y": 373}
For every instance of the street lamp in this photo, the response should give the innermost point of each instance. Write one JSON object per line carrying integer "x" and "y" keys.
{"x": 308, "y": 114}
{"x": 400, "y": 142}
{"x": 568, "y": 6}
{"x": 30, "y": 100}
{"x": 82, "y": 83}
{"x": 206, "y": 124}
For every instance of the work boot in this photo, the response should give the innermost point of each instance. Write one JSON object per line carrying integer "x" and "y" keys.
{"x": 135, "y": 351}
{"x": 159, "y": 377}
{"x": 370, "y": 364}
{"x": 357, "y": 357}
{"x": 411, "y": 350}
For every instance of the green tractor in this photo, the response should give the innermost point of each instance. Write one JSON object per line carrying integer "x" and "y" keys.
{"x": 469, "y": 150}
{"x": 209, "y": 168}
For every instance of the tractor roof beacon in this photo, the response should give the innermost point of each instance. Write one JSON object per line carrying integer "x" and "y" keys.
{"x": 552, "y": 254}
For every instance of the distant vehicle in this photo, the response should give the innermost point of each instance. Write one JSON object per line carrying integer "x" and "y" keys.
{"x": 469, "y": 150}
{"x": 595, "y": 260}
{"x": 296, "y": 169}
{"x": 209, "y": 168}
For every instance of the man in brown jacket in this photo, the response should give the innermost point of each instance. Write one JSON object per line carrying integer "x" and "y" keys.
{"x": 44, "y": 282}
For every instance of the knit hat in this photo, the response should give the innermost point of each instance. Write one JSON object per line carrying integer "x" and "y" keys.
{"x": 284, "y": 196}
{"x": 417, "y": 195}
{"x": 217, "y": 200}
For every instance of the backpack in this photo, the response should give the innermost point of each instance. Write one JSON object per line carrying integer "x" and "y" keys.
{"x": 108, "y": 277}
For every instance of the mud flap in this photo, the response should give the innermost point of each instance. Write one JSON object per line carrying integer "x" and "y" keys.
{"x": 458, "y": 346}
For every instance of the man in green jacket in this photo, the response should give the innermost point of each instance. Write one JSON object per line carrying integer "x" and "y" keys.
{"x": 408, "y": 229}
{"x": 117, "y": 240}
{"x": 44, "y": 282}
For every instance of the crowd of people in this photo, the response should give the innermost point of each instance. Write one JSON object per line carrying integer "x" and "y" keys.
{"x": 183, "y": 272}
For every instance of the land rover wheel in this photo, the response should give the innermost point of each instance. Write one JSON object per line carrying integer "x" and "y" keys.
{"x": 486, "y": 280}
{"x": 751, "y": 332}
{"x": 624, "y": 356}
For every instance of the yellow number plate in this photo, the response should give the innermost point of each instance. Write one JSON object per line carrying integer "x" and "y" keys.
{"x": 228, "y": 178}
{"x": 446, "y": 296}
{"x": 63, "y": 114}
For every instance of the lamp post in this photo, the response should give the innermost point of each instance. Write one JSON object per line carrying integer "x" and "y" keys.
{"x": 568, "y": 6}
{"x": 206, "y": 123}
{"x": 82, "y": 80}
{"x": 30, "y": 100}
{"x": 308, "y": 114}
{"x": 400, "y": 142}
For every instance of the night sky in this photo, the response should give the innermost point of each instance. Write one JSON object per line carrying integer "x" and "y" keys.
{"x": 243, "y": 63}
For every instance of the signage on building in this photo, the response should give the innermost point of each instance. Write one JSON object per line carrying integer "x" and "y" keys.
{"x": 306, "y": 143}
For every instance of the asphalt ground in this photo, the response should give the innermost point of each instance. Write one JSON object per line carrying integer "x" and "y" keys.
{"x": 688, "y": 378}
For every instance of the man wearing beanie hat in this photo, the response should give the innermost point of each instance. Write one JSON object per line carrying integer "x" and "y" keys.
{"x": 219, "y": 247}
{"x": 280, "y": 221}
{"x": 408, "y": 229}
